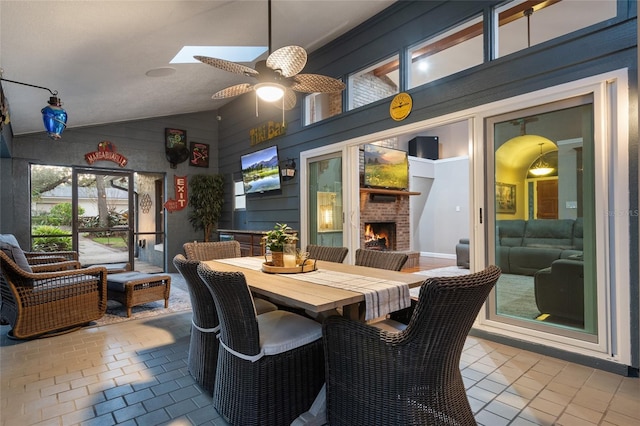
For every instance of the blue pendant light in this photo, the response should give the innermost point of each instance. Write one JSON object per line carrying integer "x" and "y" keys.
{"x": 53, "y": 116}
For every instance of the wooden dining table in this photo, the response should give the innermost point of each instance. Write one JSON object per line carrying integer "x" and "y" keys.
{"x": 299, "y": 291}
{"x": 294, "y": 290}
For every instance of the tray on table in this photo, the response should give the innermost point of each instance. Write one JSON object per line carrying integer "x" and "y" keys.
{"x": 308, "y": 266}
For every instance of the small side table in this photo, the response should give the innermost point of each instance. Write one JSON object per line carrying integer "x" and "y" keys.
{"x": 137, "y": 288}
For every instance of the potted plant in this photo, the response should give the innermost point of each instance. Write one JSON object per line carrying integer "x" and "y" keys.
{"x": 276, "y": 240}
{"x": 205, "y": 199}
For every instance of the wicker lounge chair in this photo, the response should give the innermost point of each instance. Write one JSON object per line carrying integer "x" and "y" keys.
{"x": 391, "y": 260}
{"x": 409, "y": 377}
{"x": 270, "y": 366}
{"x": 330, "y": 254}
{"x": 39, "y": 301}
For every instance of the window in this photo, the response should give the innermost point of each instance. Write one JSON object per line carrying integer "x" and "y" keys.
{"x": 448, "y": 53}
{"x": 522, "y": 24}
{"x": 376, "y": 82}
{"x": 318, "y": 106}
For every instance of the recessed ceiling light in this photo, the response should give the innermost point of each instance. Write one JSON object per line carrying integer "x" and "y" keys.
{"x": 160, "y": 72}
{"x": 423, "y": 65}
{"x": 228, "y": 53}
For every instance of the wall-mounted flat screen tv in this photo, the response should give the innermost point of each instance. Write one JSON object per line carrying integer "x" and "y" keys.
{"x": 385, "y": 167}
{"x": 261, "y": 171}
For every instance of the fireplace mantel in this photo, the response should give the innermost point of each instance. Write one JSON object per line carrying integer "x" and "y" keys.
{"x": 388, "y": 191}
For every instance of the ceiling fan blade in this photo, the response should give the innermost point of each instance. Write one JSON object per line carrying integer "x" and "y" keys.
{"x": 313, "y": 83}
{"x": 232, "y": 91}
{"x": 227, "y": 66}
{"x": 290, "y": 100}
{"x": 290, "y": 60}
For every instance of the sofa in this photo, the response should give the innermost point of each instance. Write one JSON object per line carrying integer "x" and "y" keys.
{"x": 559, "y": 289}
{"x": 550, "y": 250}
{"x": 524, "y": 247}
{"x": 462, "y": 253}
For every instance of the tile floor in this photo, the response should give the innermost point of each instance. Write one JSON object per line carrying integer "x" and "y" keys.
{"x": 134, "y": 373}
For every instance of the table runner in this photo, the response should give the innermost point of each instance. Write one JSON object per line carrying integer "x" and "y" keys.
{"x": 381, "y": 296}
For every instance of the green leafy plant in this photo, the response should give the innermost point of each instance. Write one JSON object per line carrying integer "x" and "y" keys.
{"x": 205, "y": 199}
{"x": 280, "y": 235}
{"x": 52, "y": 242}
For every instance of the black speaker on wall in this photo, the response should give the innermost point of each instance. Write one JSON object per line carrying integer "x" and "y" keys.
{"x": 424, "y": 147}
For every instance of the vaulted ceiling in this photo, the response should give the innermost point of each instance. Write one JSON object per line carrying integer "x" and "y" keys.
{"x": 96, "y": 53}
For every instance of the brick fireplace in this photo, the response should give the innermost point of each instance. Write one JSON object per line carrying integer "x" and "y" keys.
{"x": 384, "y": 210}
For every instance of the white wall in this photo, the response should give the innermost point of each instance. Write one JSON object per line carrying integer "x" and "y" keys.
{"x": 440, "y": 214}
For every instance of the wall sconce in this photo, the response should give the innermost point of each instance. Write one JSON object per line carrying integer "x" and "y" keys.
{"x": 53, "y": 116}
{"x": 326, "y": 216}
{"x": 288, "y": 171}
{"x": 326, "y": 210}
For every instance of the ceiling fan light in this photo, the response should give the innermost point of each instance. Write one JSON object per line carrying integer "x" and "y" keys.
{"x": 269, "y": 92}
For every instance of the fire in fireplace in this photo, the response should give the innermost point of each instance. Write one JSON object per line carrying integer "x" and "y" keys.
{"x": 380, "y": 236}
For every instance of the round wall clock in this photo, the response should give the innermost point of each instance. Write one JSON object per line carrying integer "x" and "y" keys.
{"x": 400, "y": 106}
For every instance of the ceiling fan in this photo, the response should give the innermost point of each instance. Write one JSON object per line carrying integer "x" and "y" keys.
{"x": 277, "y": 77}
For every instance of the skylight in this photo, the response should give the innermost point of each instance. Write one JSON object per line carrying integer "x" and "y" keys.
{"x": 229, "y": 53}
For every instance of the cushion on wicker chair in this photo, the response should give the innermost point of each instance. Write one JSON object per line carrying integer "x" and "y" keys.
{"x": 15, "y": 253}
{"x": 281, "y": 331}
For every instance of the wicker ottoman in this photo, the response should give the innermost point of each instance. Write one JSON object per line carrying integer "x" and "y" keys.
{"x": 136, "y": 288}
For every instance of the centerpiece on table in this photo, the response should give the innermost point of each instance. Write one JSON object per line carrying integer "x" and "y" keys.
{"x": 281, "y": 242}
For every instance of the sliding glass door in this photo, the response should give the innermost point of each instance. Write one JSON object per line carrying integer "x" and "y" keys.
{"x": 542, "y": 228}
{"x": 325, "y": 210}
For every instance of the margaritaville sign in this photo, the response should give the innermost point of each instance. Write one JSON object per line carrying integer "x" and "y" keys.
{"x": 106, "y": 152}
{"x": 266, "y": 132}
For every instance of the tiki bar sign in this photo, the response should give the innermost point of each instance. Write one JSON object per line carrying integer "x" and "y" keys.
{"x": 106, "y": 152}
{"x": 266, "y": 132}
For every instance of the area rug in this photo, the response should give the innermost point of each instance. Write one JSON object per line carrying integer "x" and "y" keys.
{"x": 448, "y": 271}
{"x": 515, "y": 296}
{"x": 179, "y": 301}
{"x": 514, "y": 293}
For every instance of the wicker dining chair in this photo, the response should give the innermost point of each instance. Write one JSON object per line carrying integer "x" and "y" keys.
{"x": 391, "y": 260}
{"x": 329, "y": 254}
{"x": 270, "y": 366}
{"x": 409, "y": 377}
{"x": 223, "y": 250}
{"x": 211, "y": 250}
{"x": 203, "y": 343}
